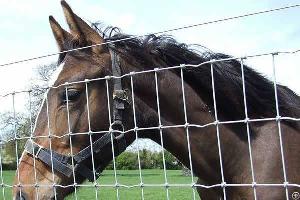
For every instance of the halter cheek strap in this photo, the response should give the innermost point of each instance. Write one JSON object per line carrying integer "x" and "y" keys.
{"x": 63, "y": 163}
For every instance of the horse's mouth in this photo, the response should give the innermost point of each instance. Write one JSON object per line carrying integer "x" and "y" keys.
{"x": 23, "y": 196}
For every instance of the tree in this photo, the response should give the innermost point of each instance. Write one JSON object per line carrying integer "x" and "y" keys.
{"x": 148, "y": 159}
{"x": 16, "y": 125}
{"x": 39, "y": 86}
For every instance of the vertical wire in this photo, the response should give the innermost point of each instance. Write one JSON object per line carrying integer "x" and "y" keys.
{"x": 70, "y": 141}
{"x": 217, "y": 127}
{"x": 111, "y": 137}
{"x": 136, "y": 135}
{"x": 50, "y": 144}
{"x": 160, "y": 132}
{"x": 1, "y": 168}
{"x": 248, "y": 130}
{"x": 187, "y": 130}
{"x": 31, "y": 136}
{"x": 90, "y": 135}
{"x": 279, "y": 127}
{"x": 16, "y": 144}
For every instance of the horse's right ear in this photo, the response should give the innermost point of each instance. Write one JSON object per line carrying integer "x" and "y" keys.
{"x": 83, "y": 32}
{"x": 59, "y": 33}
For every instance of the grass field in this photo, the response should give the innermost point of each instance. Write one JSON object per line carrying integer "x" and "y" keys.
{"x": 126, "y": 177}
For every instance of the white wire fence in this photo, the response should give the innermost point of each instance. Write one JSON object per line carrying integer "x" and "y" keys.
{"x": 165, "y": 184}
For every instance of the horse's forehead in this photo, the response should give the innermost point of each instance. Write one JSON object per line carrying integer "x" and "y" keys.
{"x": 69, "y": 74}
{"x": 75, "y": 69}
{"x": 56, "y": 73}
{"x": 62, "y": 74}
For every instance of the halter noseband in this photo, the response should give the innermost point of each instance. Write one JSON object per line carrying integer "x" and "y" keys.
{"x": 63, "y": 163}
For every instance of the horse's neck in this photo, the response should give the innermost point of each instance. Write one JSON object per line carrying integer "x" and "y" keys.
{"x": 203, "y": 141}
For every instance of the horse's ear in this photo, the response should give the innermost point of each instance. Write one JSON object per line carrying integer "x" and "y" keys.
{"x": 59, "y": 33}
{"x": 80, "y": 29}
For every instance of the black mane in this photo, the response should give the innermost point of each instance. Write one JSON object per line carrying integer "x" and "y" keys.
{"x": 162, "y": 51}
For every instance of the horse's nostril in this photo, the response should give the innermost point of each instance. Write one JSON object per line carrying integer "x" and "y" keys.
{"x": 21, "y": 196}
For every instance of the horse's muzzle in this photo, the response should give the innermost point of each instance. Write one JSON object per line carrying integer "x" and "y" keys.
{"x": 21, "y": 196}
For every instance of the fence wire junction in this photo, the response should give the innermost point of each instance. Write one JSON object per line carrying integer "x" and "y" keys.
{"x": 142, "y": 185}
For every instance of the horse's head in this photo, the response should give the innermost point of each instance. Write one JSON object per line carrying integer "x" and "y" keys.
{"x": 73, "y": 116}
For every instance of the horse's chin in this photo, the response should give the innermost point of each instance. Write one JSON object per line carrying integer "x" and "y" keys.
{"x": 44, "y": 190}
{"x": 41, "y": 195}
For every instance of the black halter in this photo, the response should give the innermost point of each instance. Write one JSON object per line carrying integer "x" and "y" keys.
{"x": 63, "y": 163}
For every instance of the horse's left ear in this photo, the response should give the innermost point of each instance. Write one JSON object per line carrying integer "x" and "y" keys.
{"x": 60, "y": 35}
{"x": 81, "y": 30}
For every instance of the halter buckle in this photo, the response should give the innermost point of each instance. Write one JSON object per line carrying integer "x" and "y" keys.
{"x": 121, "y": 95}
{"x": 119, "y": 137}
{"x": 33, "y": 148}
{"x": 117, "y": 126}
{"x": 36, "y": 155}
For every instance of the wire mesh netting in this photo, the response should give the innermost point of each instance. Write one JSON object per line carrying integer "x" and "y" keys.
{"x": 166, "y": 180}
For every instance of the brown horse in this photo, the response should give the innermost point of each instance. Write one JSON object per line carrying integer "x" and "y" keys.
{"x": 208, "y": 116}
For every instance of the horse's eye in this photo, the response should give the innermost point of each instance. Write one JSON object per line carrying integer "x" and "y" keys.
{"x": 73, "y": 95}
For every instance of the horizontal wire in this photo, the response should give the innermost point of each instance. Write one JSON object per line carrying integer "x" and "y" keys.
{"x": 159, "y": 32}
{"x": 156, "y": 128}
{"x": 162, "y": 126}
{"x": 157, "y": 185}
{"x": 154, "y": 70}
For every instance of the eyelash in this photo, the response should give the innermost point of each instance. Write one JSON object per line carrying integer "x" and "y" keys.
{"x": 73, "y": 95}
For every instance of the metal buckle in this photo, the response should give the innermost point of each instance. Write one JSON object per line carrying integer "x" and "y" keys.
{"x": 30, "y": 148}
{"x": 38, "y": 151}
{"x": 121, "y": 95}
{"x": 119, "y": 136}
{"x": 117, "y": 126}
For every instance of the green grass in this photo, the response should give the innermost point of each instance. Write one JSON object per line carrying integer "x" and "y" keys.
{"x": 127, "y": 177}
